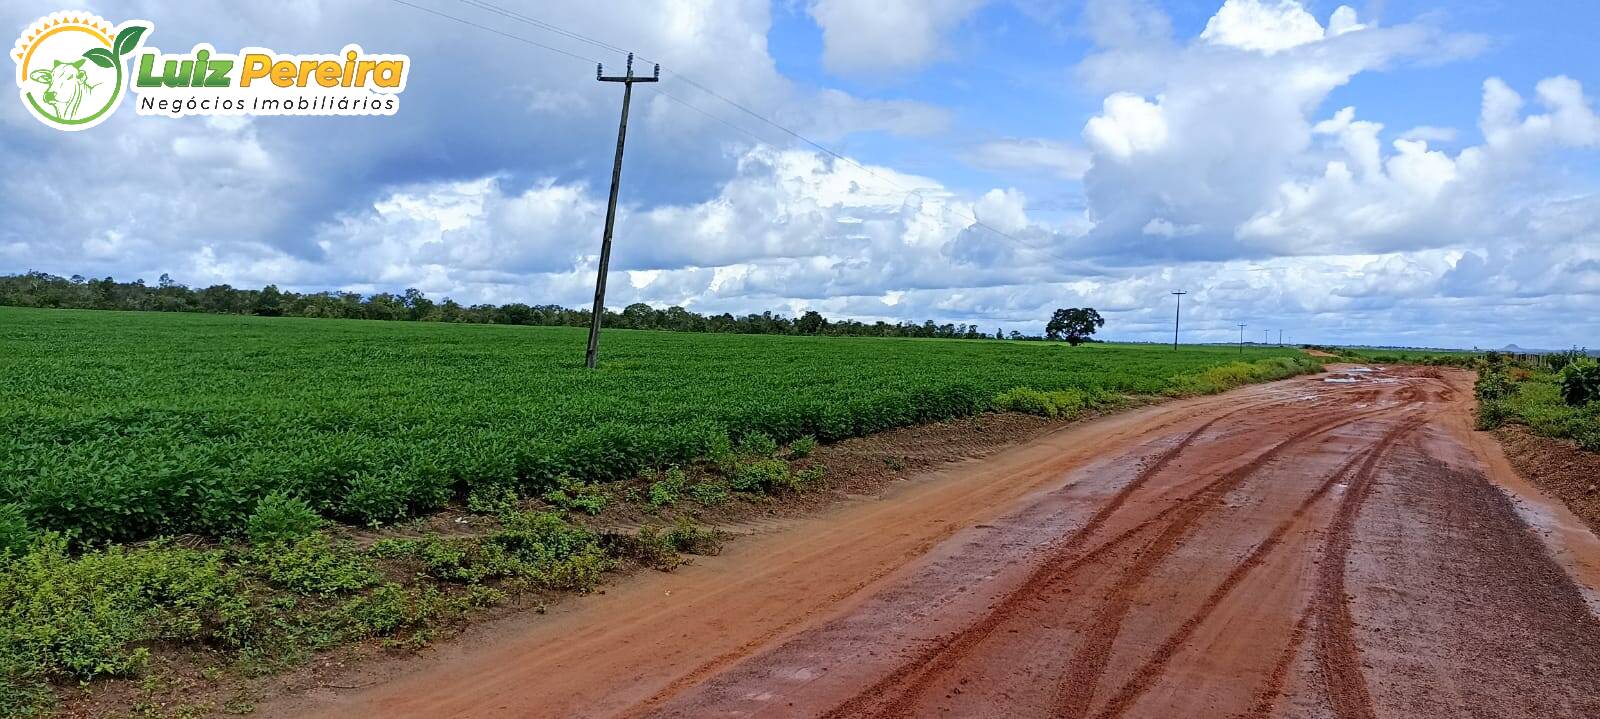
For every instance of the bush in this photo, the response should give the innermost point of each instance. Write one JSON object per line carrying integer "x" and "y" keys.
{"x": 314, "y": 565}
{"x": 1492, "y": 414}
{"x": 757, "y": 444}
{"x": 14, "y": 535}
{"x": 802, "y": 447}
{"x": 492, "y": 499}
{"x": 281, "y": 518}
{"x": 760, "y": 476}
{"x": 1063, "y": 403}
{"x": 709, "y": 493}
{"x": 94, "y": 615}
{"x": 574, "y": 495}
{"x": 665, "y": 491}
{"x": 1493, "y": 385}
{"x": 663, "y": 548}
{"x": 1580, "y": 382}
{"x": 539, "y": 548}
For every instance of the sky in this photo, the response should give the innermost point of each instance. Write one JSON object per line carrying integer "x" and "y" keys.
{"x": 1399, "y": 172}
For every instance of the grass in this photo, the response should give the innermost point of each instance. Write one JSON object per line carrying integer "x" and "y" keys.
{"x": 1533, "y": 399}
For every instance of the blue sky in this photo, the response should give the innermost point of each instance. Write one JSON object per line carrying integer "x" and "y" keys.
{"x": 1390, "y": 171}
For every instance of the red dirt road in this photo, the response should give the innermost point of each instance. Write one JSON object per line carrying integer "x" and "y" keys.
{"x": 1300, "y": 549}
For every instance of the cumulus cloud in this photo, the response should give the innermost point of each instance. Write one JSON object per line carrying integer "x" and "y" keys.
{"x": 887, "y": 35}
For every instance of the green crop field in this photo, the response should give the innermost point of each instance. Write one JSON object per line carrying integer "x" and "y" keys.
{"x": 123, "y": 426}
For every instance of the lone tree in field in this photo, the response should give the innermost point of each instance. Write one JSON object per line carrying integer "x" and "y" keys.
{"x": 1075, "y": 325}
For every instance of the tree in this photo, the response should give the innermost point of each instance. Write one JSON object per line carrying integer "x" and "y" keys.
{"x": 1075, "y": 325}
{"x": 810, "y": 323}
{"x": 269, "y": 302}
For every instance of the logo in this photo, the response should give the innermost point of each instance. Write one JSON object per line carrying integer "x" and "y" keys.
{"x": 71, "y": 67}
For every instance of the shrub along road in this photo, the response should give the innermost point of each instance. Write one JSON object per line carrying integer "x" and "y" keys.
{"x": 1301, "y": 549}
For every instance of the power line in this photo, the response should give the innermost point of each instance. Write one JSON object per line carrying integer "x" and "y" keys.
{"x": 550, "y": 27}
{"x": 501, "y": 33}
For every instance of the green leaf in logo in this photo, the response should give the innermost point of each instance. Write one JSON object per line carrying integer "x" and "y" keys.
{"x": 101, "y": 56}
{"x": 128, "y": 39}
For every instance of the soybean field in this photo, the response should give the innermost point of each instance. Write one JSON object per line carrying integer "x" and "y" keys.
{"x": 119, "y": 426}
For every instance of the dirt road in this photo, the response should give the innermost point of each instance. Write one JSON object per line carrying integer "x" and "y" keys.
{"x": 1308, "y": 548}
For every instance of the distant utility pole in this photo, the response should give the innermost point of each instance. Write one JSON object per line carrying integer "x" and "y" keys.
{"x": 1265, "y": 334}
{"x": 1280, "y": 338}
{"x": 1175, "y": 315}
{"x": 611, "y": 207}
{"x": 1241, "y": 337}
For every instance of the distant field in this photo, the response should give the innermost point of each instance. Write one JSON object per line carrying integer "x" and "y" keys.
{"x": 122, "y": 426}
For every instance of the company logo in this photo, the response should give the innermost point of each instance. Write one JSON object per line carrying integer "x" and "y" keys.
{"x": 72, "y": 68}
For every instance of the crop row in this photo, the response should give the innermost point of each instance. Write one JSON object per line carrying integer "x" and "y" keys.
{"x": 122, "y": 426}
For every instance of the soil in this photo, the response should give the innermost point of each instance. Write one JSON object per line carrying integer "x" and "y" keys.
{"x": 1559, "y": 467}
{"x": 1299, "y": 549}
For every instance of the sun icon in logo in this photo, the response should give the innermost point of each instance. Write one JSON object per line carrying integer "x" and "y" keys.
{"x": 70, "y": 67}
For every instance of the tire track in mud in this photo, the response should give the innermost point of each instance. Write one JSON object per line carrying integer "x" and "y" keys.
{"x": 1337, "y": 655}
{"x": 1154, "y": 667}
{"x": 1267, "y": 697}
{"x": 1094, "y": 653}
{"x": 646, "y": 706}
{"x": 917, "y": 674}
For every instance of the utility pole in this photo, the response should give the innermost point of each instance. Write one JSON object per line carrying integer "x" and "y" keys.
{"x": 1241, "y": 337}
{"x": 1175, "y": 315}
{"x": 611, "y": 207}
{"x": 1264, "y": 335}
{"x": 1280, "y": 338}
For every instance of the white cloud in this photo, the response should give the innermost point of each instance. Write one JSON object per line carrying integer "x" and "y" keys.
{"x": 1270, "y": 27}
{"x": 1430, "y": 133}
{"x": 886, "y": 35}
{"x": 1061, "y": 159}
{"x": 1129, "y": 124}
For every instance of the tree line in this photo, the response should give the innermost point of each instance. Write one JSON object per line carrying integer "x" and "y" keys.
{"x": 38, "y": 289}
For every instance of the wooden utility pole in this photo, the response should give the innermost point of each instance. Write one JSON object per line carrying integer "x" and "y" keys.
{"x": 611, "y": 206}
{"x": 1175, "y": 315}
{"x": 1241, "y": 337}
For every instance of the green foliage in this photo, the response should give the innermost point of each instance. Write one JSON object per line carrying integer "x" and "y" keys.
{"x": 1580, "y": 382}
{"x": 14, "y": 534}
{"x": 1539, "y": 402}
{"x": 813, "y": 477}
{"x": 1075, "y": 325}
{"x": 709, "y": 493}
{"x": 576, "y": 496}
{"x": 1235, "y": 374}
{"x": 663, "y": 548}
{"x": 1493, "y": 386}
{"x": 78, "y": 618}
{"x": 757, "y": 444}
{"x": 1492, "y": 414}
{"x": 664, "y": 492}
{"x": 314, "y": 565}
{"x": 760, "y": 476}
{"x": 492, "y": 499}
{"x": 539, "y": 548}
{"x": 1061, "y": 403}
{"x": 195, "y": 418}
{"x": 802, "y": 447}
{"x": 281, "y": 518}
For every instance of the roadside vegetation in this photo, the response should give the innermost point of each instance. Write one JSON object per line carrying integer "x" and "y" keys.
{"x": 1559, "y": 398}
{"x": 230, "y": 496}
